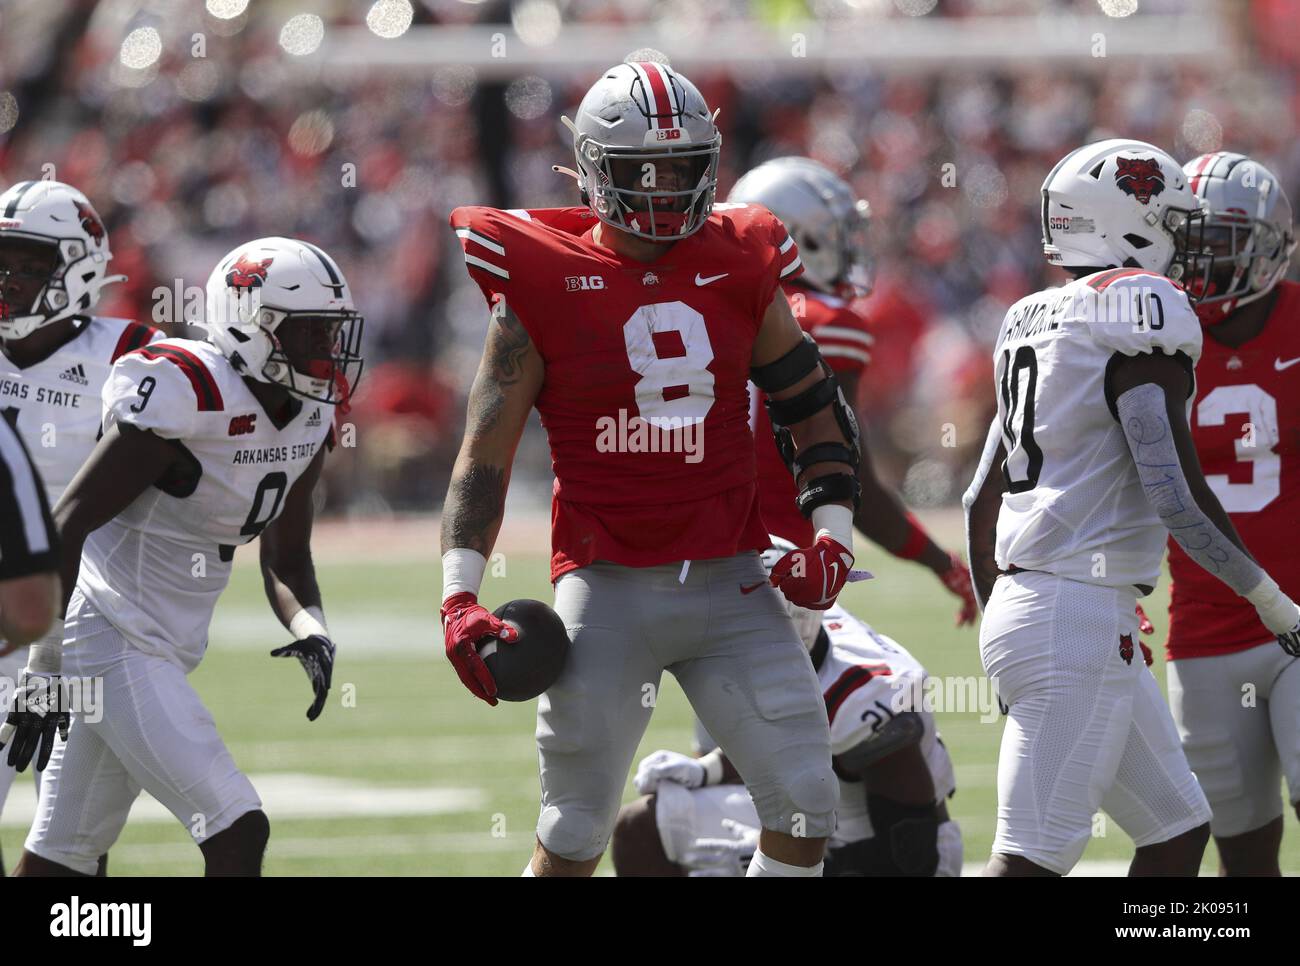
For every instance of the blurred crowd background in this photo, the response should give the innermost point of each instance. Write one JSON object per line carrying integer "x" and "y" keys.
{"x": 195, "y": 126}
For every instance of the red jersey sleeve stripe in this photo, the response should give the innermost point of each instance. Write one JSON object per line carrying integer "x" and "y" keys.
{"x": 470, "y": 235}
{"x": 791, "y": 268}
{"x": 839, "y": 333}
{"x": 134, "y": 336}
{"x": 848, "y": 682}
{"x": 1103, "y": 279}
{"x": 206, "y": 391}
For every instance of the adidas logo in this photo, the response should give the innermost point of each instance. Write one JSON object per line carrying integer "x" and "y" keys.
{"x": 314, "y": 418}
{"x": 75, "y": 374}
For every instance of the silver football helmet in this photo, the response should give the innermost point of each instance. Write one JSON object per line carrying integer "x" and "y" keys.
{"x": 1248, "y": 228}
{"x": 1122, "y": 203}
{"x": 647, "y": 151}
{"x": 807, "y": 622}
{"x": 828, "y": 222}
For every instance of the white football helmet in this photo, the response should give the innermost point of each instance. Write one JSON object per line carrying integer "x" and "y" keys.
{"x": 828, "y": 222}
{"x": 635, "y": 115}
{"x": 1122, "y": 203}
{"x": 261, "y": 284}
{"x": 807, "y": 622}
{"x": 57, "y": 215}
{"x": 1248, "y": 228}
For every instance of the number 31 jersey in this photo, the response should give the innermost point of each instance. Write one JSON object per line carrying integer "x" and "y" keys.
{"x": 1074, "y": 505}
{"x": 1246, "y": 426}
{"x": 156, "y": 570}
{"x": 645, "y": 399}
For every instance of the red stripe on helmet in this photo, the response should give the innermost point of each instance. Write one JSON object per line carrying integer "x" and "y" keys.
{"x": 662, "y": 106}
{"x": 1199, "y": 175}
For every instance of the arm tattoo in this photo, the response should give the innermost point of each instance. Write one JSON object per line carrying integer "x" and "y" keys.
{"x": 1151, "y": 442}
{"x": 507, "y": 344}
{"x": 475, "y": 502}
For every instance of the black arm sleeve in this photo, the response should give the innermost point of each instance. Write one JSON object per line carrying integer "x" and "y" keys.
{"x": 28, "y": 541}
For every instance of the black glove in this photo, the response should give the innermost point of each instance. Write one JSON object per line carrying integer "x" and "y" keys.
{"x": 1290, "y": 641}
{"x": 40, "y": 708}
{"x": 316, "y": 654}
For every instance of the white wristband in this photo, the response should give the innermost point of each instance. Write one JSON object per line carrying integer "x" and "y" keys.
{"x": 308, "y": 622}
{"x": 1275, "y": 609}
{"x": 712, "y": 763}
{"x": 462, "y": 571}
{"x": 45, "y": 657}
{"x": 836, "y": 522}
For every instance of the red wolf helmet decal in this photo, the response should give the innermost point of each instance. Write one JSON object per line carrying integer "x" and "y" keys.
{"x": 90, "y": 222}
{"x": 1140, "y": 177}
{"x": 246, "y": 273}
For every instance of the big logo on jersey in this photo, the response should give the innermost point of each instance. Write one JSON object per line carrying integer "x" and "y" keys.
{"x": 1140, "y": 177}
{"x": 90, "y": 222}
{"x": 246, "y": 273}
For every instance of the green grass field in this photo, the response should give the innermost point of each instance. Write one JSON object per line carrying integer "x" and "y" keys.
{"x": 406, "y": 774}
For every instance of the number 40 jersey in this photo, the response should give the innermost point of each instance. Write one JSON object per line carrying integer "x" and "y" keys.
{"x": 156, "y": 570}
{"x": 1074, "y": 505}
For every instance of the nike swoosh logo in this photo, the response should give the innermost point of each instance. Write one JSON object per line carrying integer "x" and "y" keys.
{"x": 701, "y": 280}
{"x": 750, "y": 590}
{"x": 1278, "y": 364}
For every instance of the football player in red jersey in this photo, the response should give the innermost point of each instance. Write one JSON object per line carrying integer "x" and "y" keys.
{"x": 1236, "y": 696}
{"x": 829, "y": 225}
{"x": 633, "y": 326}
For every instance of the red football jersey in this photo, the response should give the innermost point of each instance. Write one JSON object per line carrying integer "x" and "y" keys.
{"x": 645, "y": 399}
{"x": 1246, "y": 425}
{"x": 842, "y": 336}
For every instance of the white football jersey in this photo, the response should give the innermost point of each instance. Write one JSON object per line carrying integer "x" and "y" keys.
{"x": 55, "y": 404}
{"x": 867, "y": 679}
{"x": 156, "y": 570}
{"x": 1074, "y": 505}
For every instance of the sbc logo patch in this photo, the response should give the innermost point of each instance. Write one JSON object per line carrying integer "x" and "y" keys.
{"x": 243, "y": 425}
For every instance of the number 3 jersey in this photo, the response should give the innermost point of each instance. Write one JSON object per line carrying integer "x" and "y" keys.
{"x": 156, "y": 570}
{"x": 645, "y": 399}
{"x": 1246, "y": 426}
{"x": 55, "y": 404}
{"x": 1074, "y": 505}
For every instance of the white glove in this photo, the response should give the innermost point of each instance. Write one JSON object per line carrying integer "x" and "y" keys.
{"x": 668, "y": 766}
{"x": 722, "y": 857}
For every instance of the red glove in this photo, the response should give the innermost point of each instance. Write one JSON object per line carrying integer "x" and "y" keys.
{"x": 1146, "y": 627}
{"x": 814, "y": 576}
{"x": 465, "y": 622}
{"x": 1144, "y": 622}
{"x": 957, "y": 579}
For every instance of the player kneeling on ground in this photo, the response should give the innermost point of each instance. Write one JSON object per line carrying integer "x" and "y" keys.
{"x": 696, "y": 818}
{"x": 206, "y": 445}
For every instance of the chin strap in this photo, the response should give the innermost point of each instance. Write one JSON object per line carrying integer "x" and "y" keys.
{"x": 561, "y": 169}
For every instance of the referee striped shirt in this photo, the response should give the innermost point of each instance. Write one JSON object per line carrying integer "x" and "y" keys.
{"x": 28, "y": 543}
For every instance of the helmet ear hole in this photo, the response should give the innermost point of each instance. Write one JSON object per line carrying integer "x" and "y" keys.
{"x": 1137, "y": 241}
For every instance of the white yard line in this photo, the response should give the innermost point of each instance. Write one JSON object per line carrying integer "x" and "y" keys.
{"x": 288, "y": 795}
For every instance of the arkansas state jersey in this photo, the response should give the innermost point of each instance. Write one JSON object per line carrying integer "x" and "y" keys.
{"x": 1246, "y": 426}
{"x": 867, "y": 679}
{"x": 645, "y": 398}
{"x": 155, "y": 571}
{"x": 55, "y": 403}
{"x": 841, "y": 335}
{"x": 1074, "y": 505}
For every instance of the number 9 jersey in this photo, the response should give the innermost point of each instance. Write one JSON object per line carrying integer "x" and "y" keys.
{"x": 1074, "y": 505}
{"x": 156, "y": 570}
